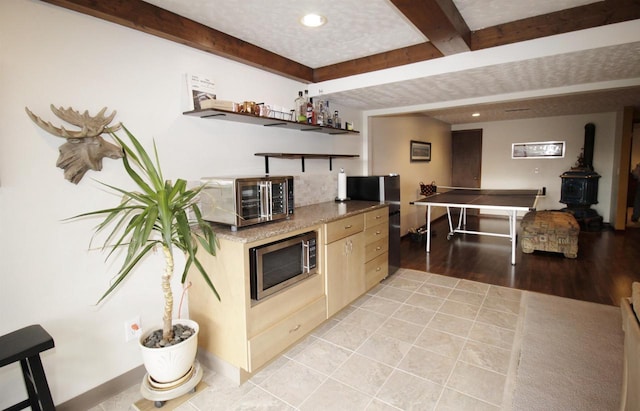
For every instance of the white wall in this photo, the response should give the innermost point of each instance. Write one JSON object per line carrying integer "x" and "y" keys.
{"x": 390, "y": 138}
{"x": 51, "y": 55}
{"x": 499, "y": 170}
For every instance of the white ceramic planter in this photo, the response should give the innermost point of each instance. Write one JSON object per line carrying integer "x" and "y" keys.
{"x": 168, "y": 364}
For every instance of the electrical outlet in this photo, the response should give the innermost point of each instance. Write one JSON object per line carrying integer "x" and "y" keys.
{"x": 132, "y": 329}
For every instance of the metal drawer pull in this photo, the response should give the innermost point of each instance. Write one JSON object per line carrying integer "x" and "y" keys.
{"x": 379, "y": 268}
{"x": 348, "y": 227}
{"x": 294, "y": 329}
{"x": 378, "y": 217}
{"x": 378, "y": 232}
{"x": 378, "y": 248}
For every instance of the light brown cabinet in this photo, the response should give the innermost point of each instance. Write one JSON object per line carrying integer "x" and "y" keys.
{"x": 345, "y": 272}
{"x": 244, "y": 333}
{"x": 352, "y": 256}
{"x": 376, "y": 234}
{"x": 356, "y": 256}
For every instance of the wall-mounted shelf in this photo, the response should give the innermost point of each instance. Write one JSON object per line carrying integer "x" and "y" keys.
{"x": 302, "y": 157}
{"x": 265, "y": 121}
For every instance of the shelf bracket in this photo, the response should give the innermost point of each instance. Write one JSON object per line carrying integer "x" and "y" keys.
{"x": 303, "y": 158}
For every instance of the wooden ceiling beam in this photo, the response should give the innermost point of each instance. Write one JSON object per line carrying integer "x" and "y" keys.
{"x": 138, "y": 15}
{"x": 394, "y": 58}
{"x": 563, "y": 21}
{"x": 440, "y": 21}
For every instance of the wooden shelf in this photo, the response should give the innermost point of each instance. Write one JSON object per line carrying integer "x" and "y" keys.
{"x": 265, "y": 121}
{"x": 302, "y": 157}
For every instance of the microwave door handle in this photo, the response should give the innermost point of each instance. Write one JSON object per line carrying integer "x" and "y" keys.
{"x": 270, "y": 191}
{"x": 266, "y": 200}
{"x": 306, "y": 257}
{"x": 263, "y": 199}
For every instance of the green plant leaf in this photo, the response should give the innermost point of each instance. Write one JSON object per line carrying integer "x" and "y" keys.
{"x": 156, "y": 214}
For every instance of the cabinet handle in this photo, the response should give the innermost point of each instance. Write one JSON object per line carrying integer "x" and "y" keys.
{"x": 294, "y": 329}
{"x": 378, "y": 248}
{"x": 348, "y": 226}
{"x": 378, "y": 217}
{"x": 348, "y": 247}
{"x": 378, "y": 232}
{"x": 378, "y": 269}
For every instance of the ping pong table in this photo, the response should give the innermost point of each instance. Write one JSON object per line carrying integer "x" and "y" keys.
{"x": 509, "y": 201}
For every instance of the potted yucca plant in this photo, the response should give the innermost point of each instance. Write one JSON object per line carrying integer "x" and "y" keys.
{"x": 160, "y": 214}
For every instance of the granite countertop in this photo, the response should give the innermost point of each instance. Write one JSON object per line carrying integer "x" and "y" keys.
{"x": 302, "y": 217}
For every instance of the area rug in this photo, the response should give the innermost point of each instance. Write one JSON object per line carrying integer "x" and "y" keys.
{"x": 570, "y": 356}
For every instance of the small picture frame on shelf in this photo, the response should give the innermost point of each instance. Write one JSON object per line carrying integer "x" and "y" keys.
{"x": 420, "y": 151}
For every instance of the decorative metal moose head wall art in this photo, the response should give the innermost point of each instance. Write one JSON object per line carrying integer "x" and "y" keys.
{"x": 84, "y": 149}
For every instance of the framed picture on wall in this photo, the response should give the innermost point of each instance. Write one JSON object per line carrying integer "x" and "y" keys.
{"x": 542, "y": 149}
{"x": 420, "y": 151}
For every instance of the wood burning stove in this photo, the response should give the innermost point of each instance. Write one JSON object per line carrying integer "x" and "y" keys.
{"x": 579, "y": 188}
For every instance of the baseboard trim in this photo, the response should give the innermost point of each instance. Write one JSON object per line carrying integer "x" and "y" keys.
{"x": 237, "y": 375}
{"x": 115, "y": 386}
{"x": 103, "y": 392}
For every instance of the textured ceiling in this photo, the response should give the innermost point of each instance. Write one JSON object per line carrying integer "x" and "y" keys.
{"x": 274, "y": 25}
{"x": 586, "y": 67}
{"x": 486, "y": 13}
{"x": 353, "y": 31}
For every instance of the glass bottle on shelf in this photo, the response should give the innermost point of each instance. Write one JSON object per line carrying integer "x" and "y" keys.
{"x": 303, "y": 110}
{"x": 327, "y": 116}
{"x": 337, "y": 121}
{"x": 298, "y": 104}
{"x": 312, "y": 114}
{"x": 320, "y": 113}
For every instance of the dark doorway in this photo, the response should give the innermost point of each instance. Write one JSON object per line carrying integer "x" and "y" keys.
{"x": 466, "y": 158}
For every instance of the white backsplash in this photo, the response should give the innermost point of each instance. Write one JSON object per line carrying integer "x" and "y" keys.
{"x": 315, "y": 188}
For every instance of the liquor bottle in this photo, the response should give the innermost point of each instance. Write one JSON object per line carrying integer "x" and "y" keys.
{"x": 327, "y": 115}
{"x": 320, "y": 113}
{"x": 309, "y": 111}
{"x": 303, "y": 110}
{"x": 299, "y": 103}
{"x": 337, "y": 122}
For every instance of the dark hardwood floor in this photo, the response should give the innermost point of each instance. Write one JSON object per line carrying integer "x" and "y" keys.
{"x": 608, "y": 261}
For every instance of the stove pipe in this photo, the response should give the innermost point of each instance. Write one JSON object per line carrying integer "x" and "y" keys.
{"x": 589, "y": 138}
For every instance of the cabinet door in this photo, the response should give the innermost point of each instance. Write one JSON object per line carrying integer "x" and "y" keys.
{"x": 344, "y": 262}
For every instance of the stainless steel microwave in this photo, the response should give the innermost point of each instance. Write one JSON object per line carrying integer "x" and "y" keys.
{"x": 280, "y": 264}
{"x": 244, "y": 201}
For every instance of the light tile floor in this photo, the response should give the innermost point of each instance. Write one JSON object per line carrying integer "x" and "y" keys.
{"x": 418, "y": 341}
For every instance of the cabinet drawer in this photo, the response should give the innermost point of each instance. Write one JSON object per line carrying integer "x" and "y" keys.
{"x": 376, "y": 270}
{"x": 344, "y": 227}
{"x": 266, "y": 345}
{"x": 375, "y": 248}
{"x": 375, "y": 233}
{"x": 376, "y": 217}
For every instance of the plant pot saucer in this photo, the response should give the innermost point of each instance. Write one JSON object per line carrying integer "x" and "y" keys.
{"x": 164, "y": 386}
{"x": 175, "y": 389}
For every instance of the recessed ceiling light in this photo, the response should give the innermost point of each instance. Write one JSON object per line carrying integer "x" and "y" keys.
{"x": 313, "y": 20}
{"x": 475, "y": 115}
